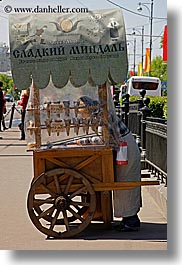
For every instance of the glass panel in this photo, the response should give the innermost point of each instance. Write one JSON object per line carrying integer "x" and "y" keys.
{"x": 145, "y": 85}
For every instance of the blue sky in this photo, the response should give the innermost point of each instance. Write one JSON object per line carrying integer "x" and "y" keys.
{"x": 132, "y": 17}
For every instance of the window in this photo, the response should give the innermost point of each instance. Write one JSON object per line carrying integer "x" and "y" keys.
{"x": 144, "y": 85}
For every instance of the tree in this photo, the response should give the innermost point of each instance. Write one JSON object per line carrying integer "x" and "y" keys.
{"x": 7, "y": 82}
{"x": 8, "y": 86}
{"x": 159, "y": 68}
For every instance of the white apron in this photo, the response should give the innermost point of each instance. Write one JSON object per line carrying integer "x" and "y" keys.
{"x": 128, "y": 202}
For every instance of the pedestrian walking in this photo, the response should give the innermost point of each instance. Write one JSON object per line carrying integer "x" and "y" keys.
{"x": 2, "y": 107}
{"x": 4, "y": 112}
{"x": 23, "y": 103}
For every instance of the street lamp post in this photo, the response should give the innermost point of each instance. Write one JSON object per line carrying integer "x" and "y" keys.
{"x": 151, "y": 23}
{"x": 134, "y": 62}
{"x": 134, "y": 53}
{"x": 133, "y": 33}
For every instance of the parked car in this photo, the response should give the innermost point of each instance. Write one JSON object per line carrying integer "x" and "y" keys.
{"x": 9, "y": 98}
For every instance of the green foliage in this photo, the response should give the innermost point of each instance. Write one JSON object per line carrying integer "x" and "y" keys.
{"x": 165, "y": 110}
{"x": 157, "y": 104}
{"x": 8, "y": 86}
{"x": 7, "y": 82}
{"x": 164, "y": 92}
{"x": 159, "y": 68}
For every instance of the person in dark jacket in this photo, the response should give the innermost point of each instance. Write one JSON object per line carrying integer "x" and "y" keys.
{"x": 2, "y": 107}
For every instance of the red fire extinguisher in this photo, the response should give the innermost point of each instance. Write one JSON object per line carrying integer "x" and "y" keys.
{"x": 122, "y": 154}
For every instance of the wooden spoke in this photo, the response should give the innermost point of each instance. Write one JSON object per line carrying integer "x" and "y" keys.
{"x": 51, "y": 212}
{"x": 77, "y": 192}
{"x": 42, "y": 201}
{"x": 58, "y": 188}
{"x": 75, "y": 214}
{"x": 76, "y": 207}
{"x": 66, "y": 220}
{"x": 68, "y": 185}
{"x": 48, "y": 190}
{"x": 63, "y": 177}
{"x": 80, "y": 203}
{"x": 54, "y": 220}
{"x": 46, "y": 212}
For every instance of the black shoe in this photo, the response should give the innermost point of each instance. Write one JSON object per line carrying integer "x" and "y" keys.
{"x": 127, "y": 228}
{"x": 5, "y": 128}
{"x": 130, "y": 223}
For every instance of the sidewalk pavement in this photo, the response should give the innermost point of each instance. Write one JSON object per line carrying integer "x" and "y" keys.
{"x": 153, "y": 214}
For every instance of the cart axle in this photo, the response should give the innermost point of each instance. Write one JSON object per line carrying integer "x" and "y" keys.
{"x": 62, "y": 202}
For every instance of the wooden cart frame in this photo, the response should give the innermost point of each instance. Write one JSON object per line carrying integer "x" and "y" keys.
{"x": 73, "y": 186}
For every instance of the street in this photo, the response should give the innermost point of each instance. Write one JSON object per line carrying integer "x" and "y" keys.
{"x": 18, "y": 233}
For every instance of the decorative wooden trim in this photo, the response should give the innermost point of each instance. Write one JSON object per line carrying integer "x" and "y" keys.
{"x": 78, "y": 167}
{"x": 36, "y": 103}
{"x": 103, "y": 99}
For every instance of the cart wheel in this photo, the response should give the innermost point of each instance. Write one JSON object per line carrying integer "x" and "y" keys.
{"x": 61, "y": 203}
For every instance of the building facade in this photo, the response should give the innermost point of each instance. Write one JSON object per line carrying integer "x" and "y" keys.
{"x": 4, "y": 58}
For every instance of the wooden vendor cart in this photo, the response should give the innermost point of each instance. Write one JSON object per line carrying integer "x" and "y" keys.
{"x": 72, "y": 154}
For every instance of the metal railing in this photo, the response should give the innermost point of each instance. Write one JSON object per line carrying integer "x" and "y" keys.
{"x": 9, "y": 115}
{"x": 150, "y": 134}
{"x": 156, "y": 147}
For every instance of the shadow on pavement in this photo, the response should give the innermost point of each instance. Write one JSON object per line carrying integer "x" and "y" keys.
{"x": 148, "y": 231}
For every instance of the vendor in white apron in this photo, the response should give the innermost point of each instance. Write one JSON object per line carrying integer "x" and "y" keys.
{"x": 127, "y": 203}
